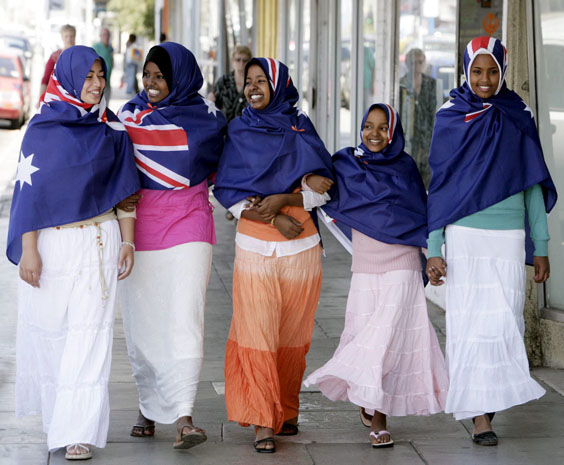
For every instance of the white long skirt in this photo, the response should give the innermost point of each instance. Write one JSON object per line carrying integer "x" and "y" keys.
{"x": 163, "y": 304}
{"x": 65, "y": 331}
{"x": 485, "y": 294}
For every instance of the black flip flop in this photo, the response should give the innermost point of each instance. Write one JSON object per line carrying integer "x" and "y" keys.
{"x": 269, "y": 440}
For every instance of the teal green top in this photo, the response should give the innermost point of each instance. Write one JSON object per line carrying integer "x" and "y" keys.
{"x": 107, "y": 53}
{"x": 507, "y": 214}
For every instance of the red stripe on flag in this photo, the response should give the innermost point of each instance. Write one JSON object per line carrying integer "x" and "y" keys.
{"x": 139, "y": 116}
{"x": 159, "y": 175}
{"x": 166, "y": 138}
{"x": 273, "y": 68}
{"x": 480, "y": 42}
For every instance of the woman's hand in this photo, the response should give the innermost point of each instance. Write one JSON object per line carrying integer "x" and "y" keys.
{"x": 254, "y": 200}
{"x": 289, "y": 227}
{"x": 436, "y": 269}
{"x": 125, "y": 261}
{"x": 542, "y": 269}
{"x": 319, "y": 184}
{"x": 31, "y": 266}
{"x": 129, "y": 203}
{"x": 269, "y": 207}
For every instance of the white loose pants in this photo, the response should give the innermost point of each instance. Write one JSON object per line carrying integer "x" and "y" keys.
{"x": 65, "y": 331}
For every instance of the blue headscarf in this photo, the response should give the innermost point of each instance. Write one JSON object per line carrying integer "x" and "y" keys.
{"x": 76, "y": 160}
{"x": 483, "y": 150}
{"x": 380, "y": 194}
{"x": 269, "y": 151}
{"x": 177, "y": 141}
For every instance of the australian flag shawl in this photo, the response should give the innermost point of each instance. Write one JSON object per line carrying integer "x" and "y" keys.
{"x": 380, "y": 194}
{"x": 76, "y": 160}
{"x": 483, "y": 150}
{"x": 177, "y": 141}
{"x": 269, "y": 151}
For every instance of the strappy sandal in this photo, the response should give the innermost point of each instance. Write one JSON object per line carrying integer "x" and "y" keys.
{"x": 84, "y": 455}
{"x": 376, "y": 437}
{"x": 142, "y": 431}
{"x": 288, "y": 429}
{"x": 194, "y": 437}
{"x": 262, "y": 450}
{"x": 365, "y": 419}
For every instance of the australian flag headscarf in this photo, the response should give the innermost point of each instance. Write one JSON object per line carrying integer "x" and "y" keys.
{"x": 483, "y": 150}
{"x": 380, "y": 194}
{"x": 177, "y": 141}
{"x": 269, "y": 151}
{"x": 76, "y": 160}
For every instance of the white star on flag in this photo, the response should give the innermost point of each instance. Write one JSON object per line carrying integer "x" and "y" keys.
{"x": 25, "y": 170}
{"x": 528, "y": 108}
{"x": 211, "y": 106}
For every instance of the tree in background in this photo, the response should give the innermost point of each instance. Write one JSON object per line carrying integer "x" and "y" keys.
{"x": 135, "y": 16}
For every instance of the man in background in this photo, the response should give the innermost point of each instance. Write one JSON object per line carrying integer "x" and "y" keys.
{"x": 68, "y": 34}
{"x": 106, "y": 51}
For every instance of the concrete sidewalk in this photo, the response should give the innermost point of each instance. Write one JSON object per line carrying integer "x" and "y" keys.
{"x": 330, "y": 432}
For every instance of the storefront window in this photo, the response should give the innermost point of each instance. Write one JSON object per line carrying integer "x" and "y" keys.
{"x": 427, "y": 49}
{"x": 549, "y": 44}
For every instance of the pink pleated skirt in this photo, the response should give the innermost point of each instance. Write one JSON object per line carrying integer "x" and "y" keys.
{"x": 388, "y": 358}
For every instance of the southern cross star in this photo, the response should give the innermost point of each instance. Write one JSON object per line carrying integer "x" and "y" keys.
{"x": 211, "y": 106}
{"x": 25, "y": 170}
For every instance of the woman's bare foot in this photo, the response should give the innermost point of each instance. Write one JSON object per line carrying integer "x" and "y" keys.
{"x": 378, "y": 434}
{"x": 263, "y": 433}
{"x": 143, "y": 427}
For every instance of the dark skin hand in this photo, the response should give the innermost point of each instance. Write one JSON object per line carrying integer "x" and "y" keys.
{"x": 269, "y": 207}
{"x": 129, "y": 203}
{"x": 542, "y": 269}
{"x": 436, "y": 269}
{"x": 319, "y": 184}
{"x": 289, "y": 227}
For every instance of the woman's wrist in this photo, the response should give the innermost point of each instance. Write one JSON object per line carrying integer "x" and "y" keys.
{"x": 129, "y": 244}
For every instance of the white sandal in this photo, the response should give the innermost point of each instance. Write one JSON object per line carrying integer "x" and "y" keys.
{"x": 85, "y": 452}
{"x": 381, "y": 433}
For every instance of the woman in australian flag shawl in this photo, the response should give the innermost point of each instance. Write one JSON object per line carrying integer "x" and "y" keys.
{"x": 76, "y": 163}
{"x": 177, "y": 138}
{"x": 488, "y": 177}
{"x": 269, "y": 151}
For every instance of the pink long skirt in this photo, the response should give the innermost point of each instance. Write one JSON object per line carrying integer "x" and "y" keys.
{"x": 388, "y": 358}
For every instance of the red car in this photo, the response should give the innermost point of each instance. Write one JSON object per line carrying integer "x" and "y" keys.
{"x": 15, "y": 91}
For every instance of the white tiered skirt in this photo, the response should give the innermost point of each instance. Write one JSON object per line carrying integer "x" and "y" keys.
{"x": 485, "y": 294}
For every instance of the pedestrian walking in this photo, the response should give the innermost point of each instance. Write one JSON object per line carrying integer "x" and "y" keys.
{"x": 106, "y": 51}
{"x": 228, "y": 93}
{"x": 178, "y": 138}
{"x": 132, "y": 59}
{"x": 68, "y": 36}
{"x": 76, "y": 163}
{"x": 277, "y": 270}
{"x": 388, "y": 361}
{"x": 488, "y": 175}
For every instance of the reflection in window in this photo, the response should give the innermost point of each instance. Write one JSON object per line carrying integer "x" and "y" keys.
{"x": 426, "y": 71}
{"x": 549, "y": 41}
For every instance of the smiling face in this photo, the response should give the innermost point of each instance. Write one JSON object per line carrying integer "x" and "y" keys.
{"x": 94, "y": 84}
{"x": 154, "y": 83}
{"x": 375, "y": 131}
{"x": 484, "y": 76}
{"x": 257, "y": 91}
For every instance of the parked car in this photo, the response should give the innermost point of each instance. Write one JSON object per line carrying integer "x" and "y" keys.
{"x": 20, "y": 45}
{"x": 15, "y": 92}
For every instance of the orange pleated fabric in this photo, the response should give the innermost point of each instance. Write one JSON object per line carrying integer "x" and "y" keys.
{"x": 274, "y": 303}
